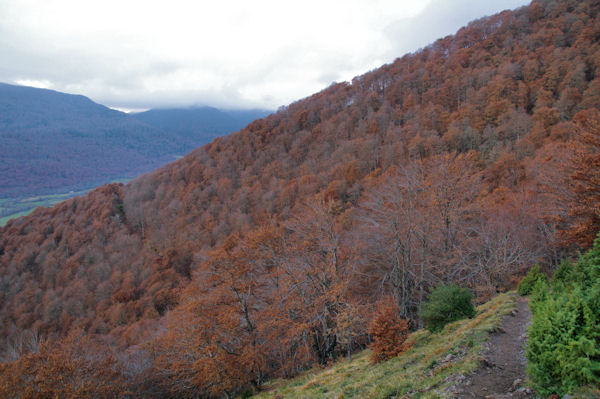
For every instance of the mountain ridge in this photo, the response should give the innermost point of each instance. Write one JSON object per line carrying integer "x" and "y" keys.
{"x": 203, "y": 121}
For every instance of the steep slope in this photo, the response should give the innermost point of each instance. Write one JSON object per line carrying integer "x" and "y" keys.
{"x": 202, "y": 124}
{"x": 443, "y": 166}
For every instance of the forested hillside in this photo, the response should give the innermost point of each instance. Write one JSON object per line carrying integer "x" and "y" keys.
{"x": 265, "y": 252}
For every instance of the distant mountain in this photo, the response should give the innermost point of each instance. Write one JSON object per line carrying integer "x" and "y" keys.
{"x": 203, "y": 123}
{"x": 52, "y": 141}
{"x": 55, "y": 141}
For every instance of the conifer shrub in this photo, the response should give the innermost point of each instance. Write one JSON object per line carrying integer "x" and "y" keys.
{"x": 562, "y": 277}
{"x": 539, "y": 294}
{"x": 563, "y": 351}
{"x": 446, "y": 303}
{"x": 388, "y": 330}
{"x": 526, "y": 285}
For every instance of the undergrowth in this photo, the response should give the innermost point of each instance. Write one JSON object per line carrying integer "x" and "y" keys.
{"x": 564, "y": 338}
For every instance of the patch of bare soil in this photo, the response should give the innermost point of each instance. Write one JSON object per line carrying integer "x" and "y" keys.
{"x": 502, "y": 372}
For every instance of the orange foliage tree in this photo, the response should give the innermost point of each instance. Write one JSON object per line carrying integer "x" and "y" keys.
{"x": 77, "y": 367}
{"x": 388, "y": 330}
{"x": 583, "y": 219}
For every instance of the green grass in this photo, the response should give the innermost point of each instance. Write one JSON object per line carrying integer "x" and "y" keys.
{"x": 421, "y": 371}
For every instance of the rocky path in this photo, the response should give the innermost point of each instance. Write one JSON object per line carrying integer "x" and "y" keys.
{"x": 503, "y": 370}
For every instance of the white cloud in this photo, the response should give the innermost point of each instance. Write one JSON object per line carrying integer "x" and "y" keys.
{"x": 40, "y": 84}
{"x": 264, "y": 53}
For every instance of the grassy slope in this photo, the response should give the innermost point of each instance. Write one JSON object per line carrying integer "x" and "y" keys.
{"x": 424, "y": 371}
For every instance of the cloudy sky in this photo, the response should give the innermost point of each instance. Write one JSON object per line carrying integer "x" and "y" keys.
{"x": 229, "y": 54}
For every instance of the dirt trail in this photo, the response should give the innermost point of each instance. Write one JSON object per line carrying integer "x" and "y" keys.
{"x": 502, "y": 373}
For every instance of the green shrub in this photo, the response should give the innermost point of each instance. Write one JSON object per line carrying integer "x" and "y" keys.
{"x": 447, "y": 303}
{"x": 562, "y": 351}
{"x": 563, "y": 277}
{"x": 564, "y": 273}
{"x": 564, "y": 338}
{"x": 539, "y": 294}
{"x": 526, "y": 285}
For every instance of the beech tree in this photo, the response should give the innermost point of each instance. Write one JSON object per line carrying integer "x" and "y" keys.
{"x": 398, "y": 231}
{"x": 317, "y": 273}
{"x": 223, "y": 323}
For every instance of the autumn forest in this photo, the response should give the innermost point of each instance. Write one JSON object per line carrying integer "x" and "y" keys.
{"x": 271, "y": 250}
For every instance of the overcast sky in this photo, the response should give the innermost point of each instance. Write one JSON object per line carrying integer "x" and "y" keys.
{"x": 229, "y": 54}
